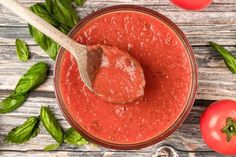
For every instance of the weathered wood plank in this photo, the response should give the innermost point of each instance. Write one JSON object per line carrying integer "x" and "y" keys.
{"x": 184, "y": 17}
{"x": 135, "y": 2}
{"x": 198, "y": 35}
{"x": 163, "y": 153}
{"x": 69, "y": 154}
{"x": 215, "y": 80}
{"x": 220, "y": 12}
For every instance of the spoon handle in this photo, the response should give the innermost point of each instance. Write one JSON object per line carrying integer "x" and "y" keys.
{"x": 43, "y": 26}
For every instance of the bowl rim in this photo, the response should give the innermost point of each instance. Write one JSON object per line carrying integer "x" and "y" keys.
{"x": 191, "y": 94}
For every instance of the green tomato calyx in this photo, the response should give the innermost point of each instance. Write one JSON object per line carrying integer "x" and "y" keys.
{"x": 230, "y": 128}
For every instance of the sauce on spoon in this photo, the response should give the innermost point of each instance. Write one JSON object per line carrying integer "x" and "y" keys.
{"x": 120, "y": 78}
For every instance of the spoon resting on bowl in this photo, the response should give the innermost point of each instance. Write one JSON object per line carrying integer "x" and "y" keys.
{"x": 112, "y": 74}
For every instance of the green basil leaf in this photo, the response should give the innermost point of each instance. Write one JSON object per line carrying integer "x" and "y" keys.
{"x": 79, "y": 2}
{"x": 23, "y": 132}
{"x": 52, "y": 48}
{"x": 12, "y": 102}
{"x": 65, "y": 13}
{"x": 50, "y": 123}
{"x": 229, "y": 59}
{"x": 35, "y": 132}
{"x": 47, "y": 44}
{"x": 39, "y": 37}
{"x": 41, "y": 10}
{"x": 51, "y": 147}
{"x": 22, "y": 50}
{"x": 49, "y": 5}
{"x": 64, "y": 29}
{"x": 33, "y": 78}
{"x": 82, "y": 141}
{"x": 73, "y": 137}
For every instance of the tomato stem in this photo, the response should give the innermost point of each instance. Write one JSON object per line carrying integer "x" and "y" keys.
{"x": 230, "y": 128}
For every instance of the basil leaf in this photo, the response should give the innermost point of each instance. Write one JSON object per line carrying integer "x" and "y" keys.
{"x": 47, "y": 44}
{"x": 33, "y": 78}
{"x": 51, "y": 147}
{"x": 49, "y": 5}
{"x": 50, "y": 123}
{"x": 229, "y": 59}
{"x": 64, "y": 29}
{"x": 73, "y": 137}
{"x": 35, "y": 132}
{"x": 41, "y": 10}
{"x": 12, "y": 102}
{"x": 39, "y": 37}
{"x": 79, "y": 2}
{"x": 22, "y": 50}
{"x": 64, "y": 12}
{"x": 82, "y": 141}
{"x": 23, "y": 132}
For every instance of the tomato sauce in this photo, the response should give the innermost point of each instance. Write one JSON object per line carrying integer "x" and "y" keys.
{"x": 167, "y": 72}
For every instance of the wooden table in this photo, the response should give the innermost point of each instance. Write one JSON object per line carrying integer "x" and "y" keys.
{"x": 216, "y": 23}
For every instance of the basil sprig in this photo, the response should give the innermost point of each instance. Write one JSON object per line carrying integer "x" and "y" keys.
{"x": 229, "y": 59}
{"x": 73, "y": 137}
{"x": 33, "y": 78}
{"x": 30, "y": 129}
{"x": 24, "y": 132}
{"x": 52, "y": 126}
{"x": 58, "y": 13}
{"x": 22, "y": 50}
{"x": 47, "y": 44}
{"x": 54, "y": 129}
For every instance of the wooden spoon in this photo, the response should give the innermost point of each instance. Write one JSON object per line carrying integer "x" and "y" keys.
{"x": 88, "y": 59}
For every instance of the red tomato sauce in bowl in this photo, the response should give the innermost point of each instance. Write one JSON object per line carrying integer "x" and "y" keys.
{"x": 169, "y": 69}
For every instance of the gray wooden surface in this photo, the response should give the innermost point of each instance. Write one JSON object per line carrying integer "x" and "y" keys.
{"x": 216, "y": 23}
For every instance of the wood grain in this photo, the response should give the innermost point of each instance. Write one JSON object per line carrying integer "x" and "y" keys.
{"x": 216, "y": 23}
{"x": 197, "y": 35}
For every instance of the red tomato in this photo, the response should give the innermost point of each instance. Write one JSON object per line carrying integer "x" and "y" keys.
{"x": 192, "y": 4}
{"x": 219, "y": 118}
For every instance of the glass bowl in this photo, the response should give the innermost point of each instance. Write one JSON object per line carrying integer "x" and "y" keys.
{"x": 190, "y": 98}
